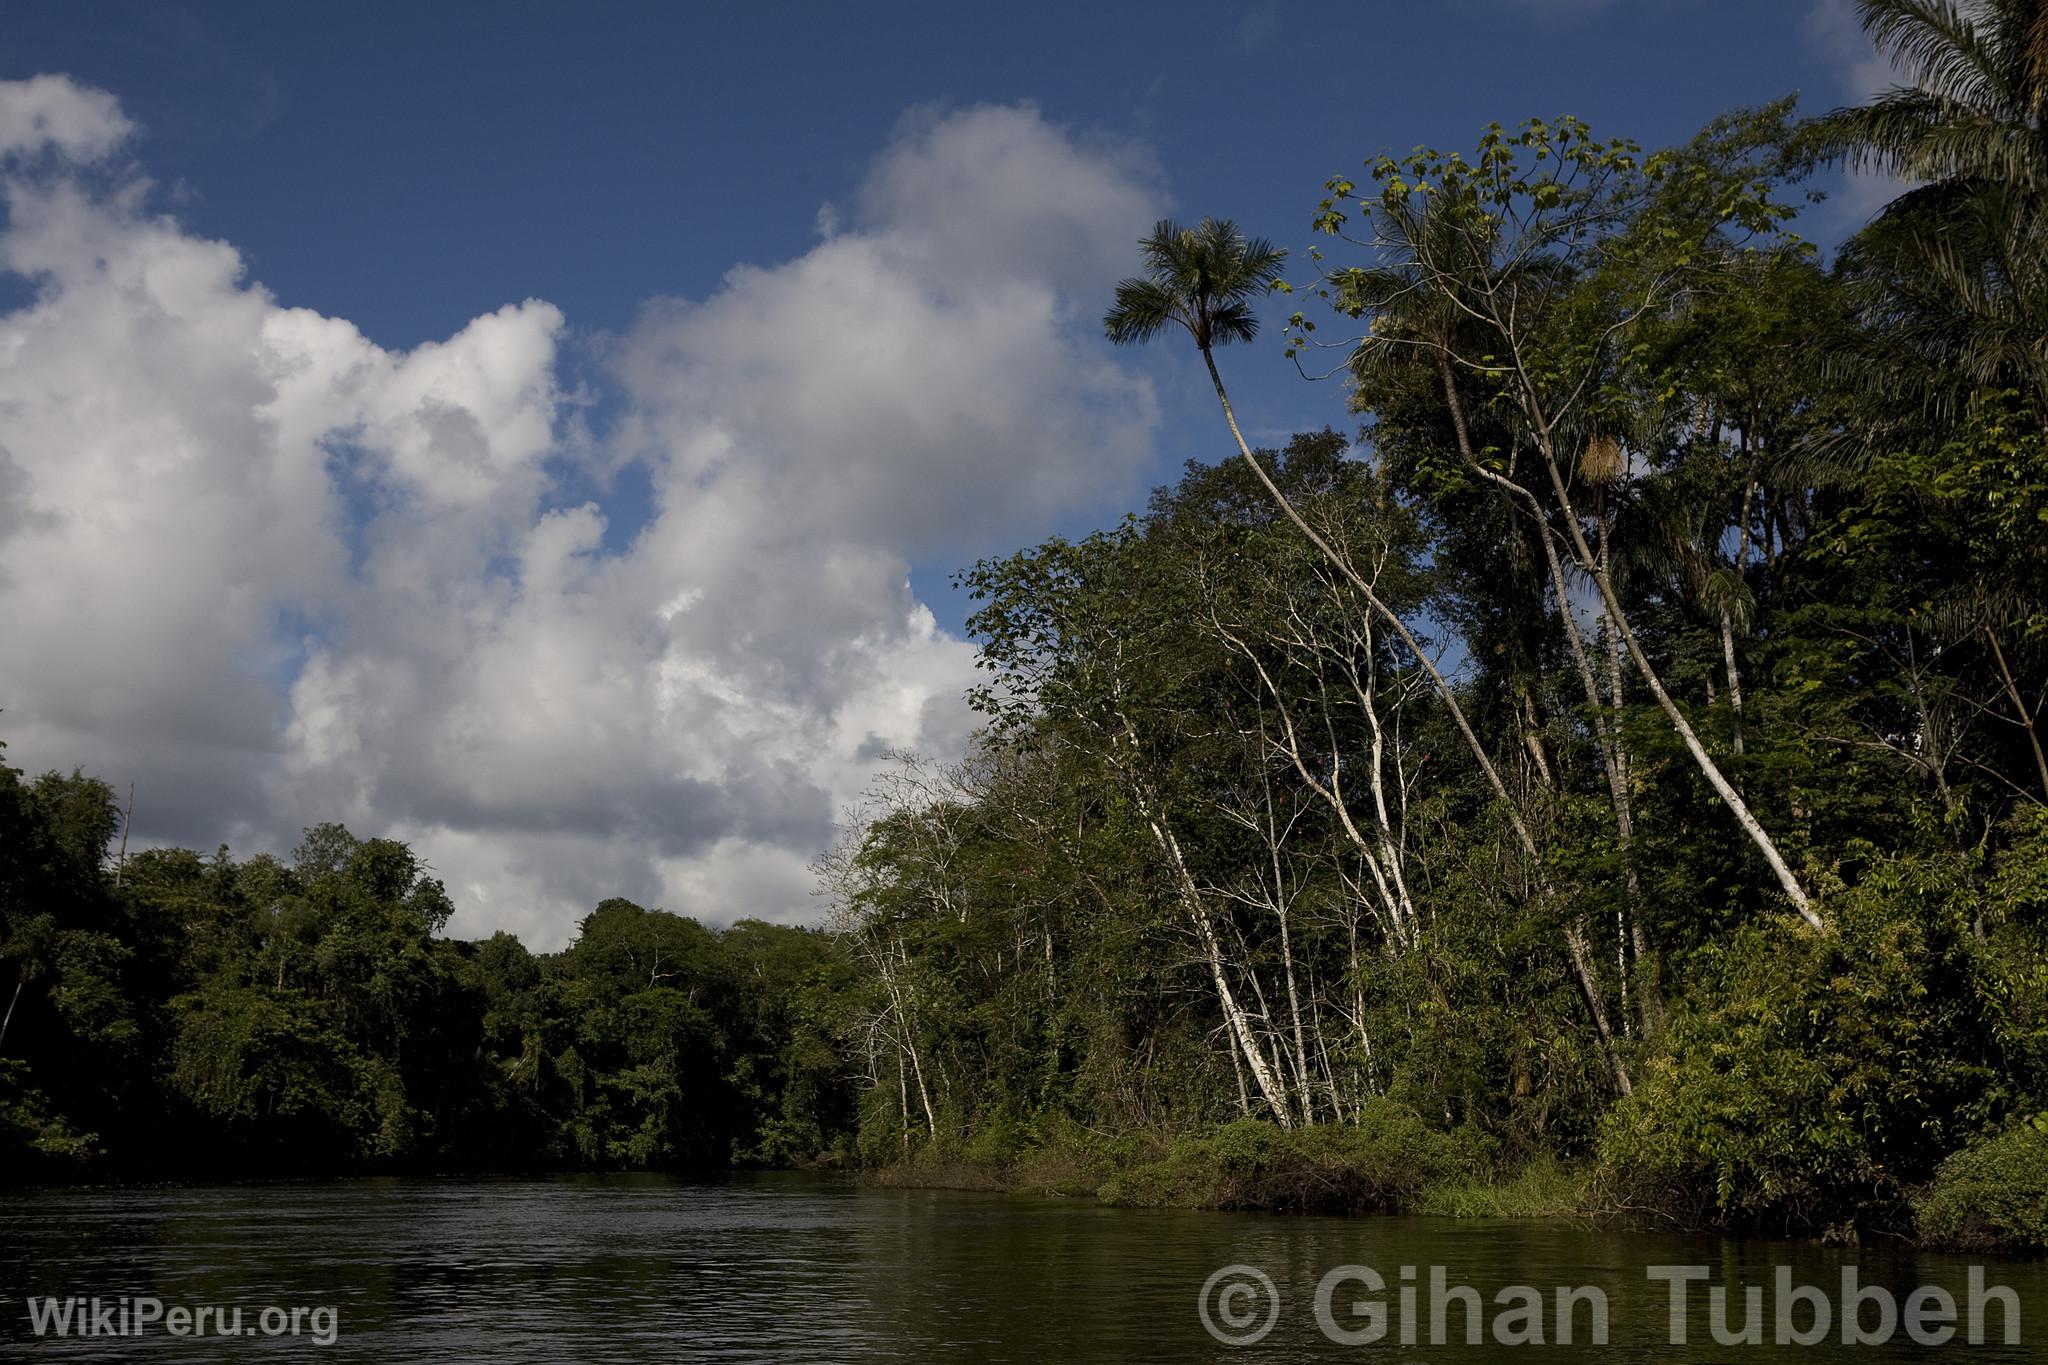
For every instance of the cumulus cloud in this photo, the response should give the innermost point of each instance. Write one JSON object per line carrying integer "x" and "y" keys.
{"x": 51, "y": 112}
{"x": 277, "y": 573}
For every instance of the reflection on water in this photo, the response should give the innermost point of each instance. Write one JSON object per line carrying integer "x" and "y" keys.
{"x": 800, "y": 1268}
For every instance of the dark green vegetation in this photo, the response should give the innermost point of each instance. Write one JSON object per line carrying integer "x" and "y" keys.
{"x": 1625, "y": 754}
{"x": 176, "y": 1015}
{"x": 1614, "y": 781}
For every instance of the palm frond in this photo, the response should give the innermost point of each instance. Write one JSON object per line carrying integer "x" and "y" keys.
{"x": 1937, "y": 43}
{"x": 2037, "y": 60}
{"x": 1951, "y": 272}
{"x": 1231, "y": 322}
{"x": 1165, "y": 250}
{"x": 1142, "y": 310}
{"x": 1203, "y": 278}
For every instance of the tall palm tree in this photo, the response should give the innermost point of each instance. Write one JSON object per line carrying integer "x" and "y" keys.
{"x": 1973, "y": 113}
{"x": 1959, "y": 264}
{"x": 1956, "y": 270}
{"x": 1204, "y": 279}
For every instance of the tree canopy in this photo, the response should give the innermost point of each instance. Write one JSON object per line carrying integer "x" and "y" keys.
{"x": 1621, "y": 747}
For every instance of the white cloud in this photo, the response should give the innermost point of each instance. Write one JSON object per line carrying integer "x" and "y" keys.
{"x": 277, "y": 573}
{"x": 51, "y": 112}
{"x": 1861, "y": 71}
{"x": 993, "y": 194}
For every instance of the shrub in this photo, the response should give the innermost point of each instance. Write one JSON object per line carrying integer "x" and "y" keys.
{"x": 1992, "y": 1195}
{"x": 1384, "y": 1161}
{"x": 35, "y": 1143}
{"x": 1820, "y": 1076}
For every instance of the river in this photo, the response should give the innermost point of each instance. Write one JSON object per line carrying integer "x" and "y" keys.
{"x": 810, "y": 1268}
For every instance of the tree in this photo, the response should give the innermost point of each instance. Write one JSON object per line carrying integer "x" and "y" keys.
{"x": 1972, "y": 116}
{"x": 1201, "y": 280}
{"x": 1556, "y": 248}
{"x": 1956, "y": 267}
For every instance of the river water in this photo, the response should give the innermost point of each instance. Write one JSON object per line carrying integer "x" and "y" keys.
{"x": 807, "y": 1268}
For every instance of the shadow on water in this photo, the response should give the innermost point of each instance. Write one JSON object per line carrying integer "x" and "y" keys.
{"x": 817, "y": 1268}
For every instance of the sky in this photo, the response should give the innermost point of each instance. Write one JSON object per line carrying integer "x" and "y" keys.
{"x": 545, "y": 434}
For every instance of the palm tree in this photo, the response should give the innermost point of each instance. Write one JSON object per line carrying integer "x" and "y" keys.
{"x": 1956, "y": 270}
{"x": 1204, "y": 279}
{"x": 1973, "y": 114}
{"x": 1958, "y": 265}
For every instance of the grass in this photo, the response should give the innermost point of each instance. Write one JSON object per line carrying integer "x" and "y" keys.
{"x": 1390, "y": 1161}
{"x": 1542, "y": 1189}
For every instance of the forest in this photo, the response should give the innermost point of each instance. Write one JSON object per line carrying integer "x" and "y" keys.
{"x": 1605, "y": 774}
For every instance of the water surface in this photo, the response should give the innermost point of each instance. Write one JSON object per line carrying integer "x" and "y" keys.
{"x": 797, "y": 1268}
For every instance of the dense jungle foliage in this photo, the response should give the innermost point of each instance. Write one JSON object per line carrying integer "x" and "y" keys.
{"x": 173, "y": 1015}
{"x": 1622, "y": 757}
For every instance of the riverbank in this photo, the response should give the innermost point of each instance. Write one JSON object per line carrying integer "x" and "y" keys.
{"x": 1544, "y": 1189}
{"x": 1991, "y": 1197}
{"x": 1392, "y": 1163}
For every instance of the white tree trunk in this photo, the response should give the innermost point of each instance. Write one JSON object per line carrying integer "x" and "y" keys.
{"x": 1582, "y": 969}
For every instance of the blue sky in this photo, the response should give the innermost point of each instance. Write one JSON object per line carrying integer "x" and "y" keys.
{"x": 353, "y": 151}
{"x": 413, "y": 166}
{"x": 508, "y": 309}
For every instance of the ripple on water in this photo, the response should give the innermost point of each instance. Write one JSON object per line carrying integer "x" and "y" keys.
{"x": 815, "y": 1269}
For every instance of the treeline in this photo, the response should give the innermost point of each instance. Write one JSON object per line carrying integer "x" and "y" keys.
{"x": 1627, "y": 753}
{"x": 169, "y": 1015}
{"x": 1624, "y": 758}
